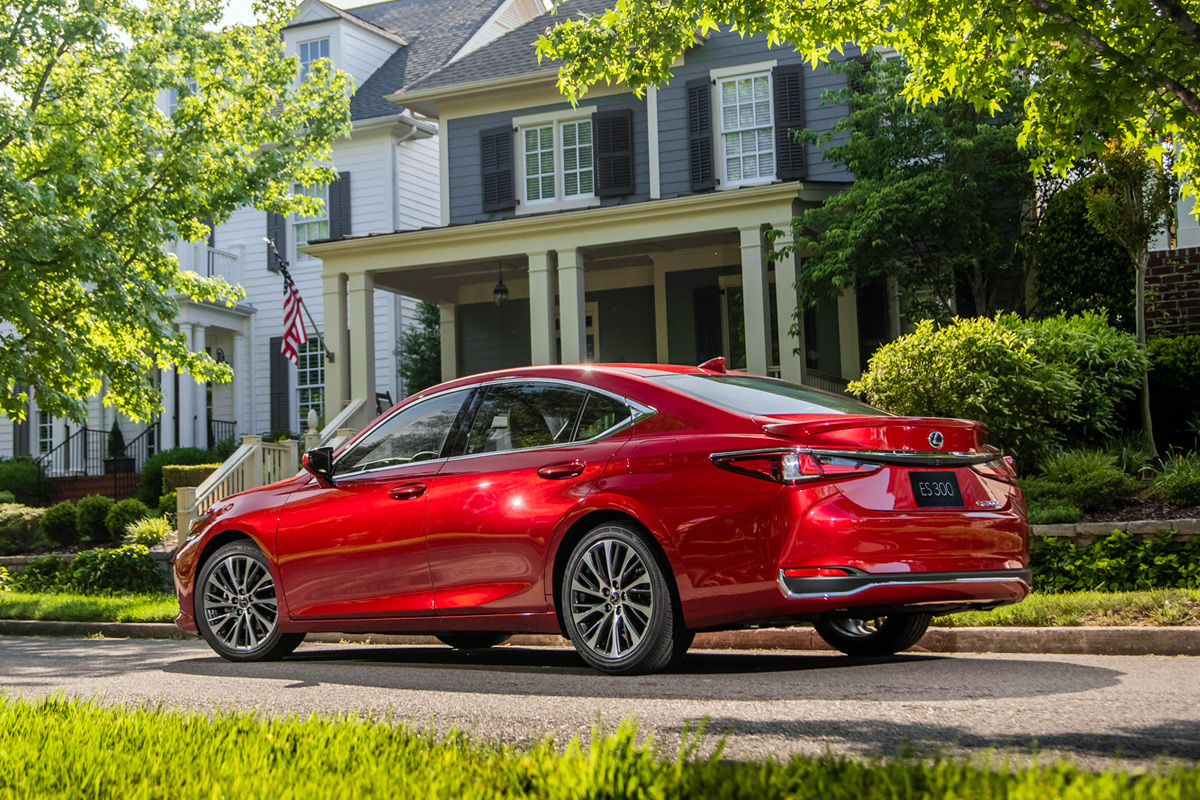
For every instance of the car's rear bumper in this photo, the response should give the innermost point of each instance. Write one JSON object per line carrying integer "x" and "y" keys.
{"x": 857, "y": 582}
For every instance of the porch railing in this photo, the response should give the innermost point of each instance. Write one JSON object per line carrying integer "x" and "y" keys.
{"x": 85, "y": 453}
{"x": 222, "y": 263}
{"x": 255, "y": 463}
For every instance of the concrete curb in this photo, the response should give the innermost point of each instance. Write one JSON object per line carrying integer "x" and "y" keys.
{"x": 1126, "y": 641}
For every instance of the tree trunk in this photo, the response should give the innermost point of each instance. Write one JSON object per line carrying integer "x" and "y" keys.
{"x": 1141, "y": 259}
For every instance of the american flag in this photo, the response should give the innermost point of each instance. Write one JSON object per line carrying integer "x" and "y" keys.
{"x": 294, "y": 334}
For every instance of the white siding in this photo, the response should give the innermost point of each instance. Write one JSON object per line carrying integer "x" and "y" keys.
{"x": 419, "y": 189}
{"x": 363, "y": 52}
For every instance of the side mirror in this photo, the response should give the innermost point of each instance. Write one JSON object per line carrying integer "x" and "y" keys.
{"x": 319, "y": 462}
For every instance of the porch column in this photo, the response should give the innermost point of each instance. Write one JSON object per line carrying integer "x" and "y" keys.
{"x": 847, "y": 306}
{"x": 791, "y": 347}
{"x": 200, "y": 407}
{"x": 241, "y": 382}
{"x": 662, "y": 348}
{"x": 756, "y": 302}
{"x": 337, "y": 345}
{"x": 449, "y": 340}
{"x": 362, "y": 341}
{"x": 187, "y": 397}
{"x": 167, "y": 426}
{"x": 541, "y": 309}
{"x": 571, "y": 312}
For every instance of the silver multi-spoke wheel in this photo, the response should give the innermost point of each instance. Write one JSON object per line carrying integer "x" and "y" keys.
{"x": 612, "y": 599}
{"x": 874, "y": 636}
{"x": 239, "y": 602}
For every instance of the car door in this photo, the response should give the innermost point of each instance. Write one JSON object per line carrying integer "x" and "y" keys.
{"x": 357, "y": 548}
{"x": 533, "y": 452}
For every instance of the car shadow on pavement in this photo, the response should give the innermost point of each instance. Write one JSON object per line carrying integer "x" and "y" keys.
{"x": 719, "y": 676}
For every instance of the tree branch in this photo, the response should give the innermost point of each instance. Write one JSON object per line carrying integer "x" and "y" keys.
{"x": 36, "y": 99}
{"x": 1177, "y": 14}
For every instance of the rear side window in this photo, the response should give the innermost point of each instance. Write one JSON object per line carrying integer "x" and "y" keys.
{"x": 517, "y": 416}
{"x": 751, "y": 394}
{"x": 601, "y": 413}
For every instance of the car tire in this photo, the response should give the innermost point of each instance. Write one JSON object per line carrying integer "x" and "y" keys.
{"x": 617, "y": 604}
{"x": 881, "y": 636}
{"x": 481, "y": 640}
{"x": 237, "y": 609}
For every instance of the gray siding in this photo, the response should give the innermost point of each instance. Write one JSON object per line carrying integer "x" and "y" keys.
{"x": 493, "y": 337}
{"x": 626, "y": 324}
{"x": 466, "y": 191}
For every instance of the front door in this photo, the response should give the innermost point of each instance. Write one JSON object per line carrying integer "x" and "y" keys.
{"x": 357, "y": 549}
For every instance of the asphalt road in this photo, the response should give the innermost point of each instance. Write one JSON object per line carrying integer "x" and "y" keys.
{"x": 1095, "y": 710}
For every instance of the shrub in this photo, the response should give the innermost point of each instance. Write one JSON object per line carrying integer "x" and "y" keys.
{"x": 5, "y": 580}
{"x": 20, "y": 527}
{"x": 122, "y": 515}
{"x": 42, "y": 575}
{"x": 122, "y": 570}
{"x": 167, "y": 506}
{"x": 60, "y": 523}
{"x": 1174, "y": 387}
{"x": 93, "y": 510}
{"x": 1130, "y": 452}
{"x": 1119, "y": 562}
{"x": 223, "y": 449}
{"x": 175, "y": 476}
{"x": 1178, "y": 480}
{"x": 1089, "y": 479}
{"x": 7, "y": 497}
{"x": 24, "y": 478}
{"x": 148, "y": 532}
{"x": 1054, "y": 512}
{"x": 116, "y": 441}
{"x": 152, "y": 470}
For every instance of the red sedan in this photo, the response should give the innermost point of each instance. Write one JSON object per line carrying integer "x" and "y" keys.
{"x": 624, "y": 506}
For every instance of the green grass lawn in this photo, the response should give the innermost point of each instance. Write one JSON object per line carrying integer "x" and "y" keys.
{"x": 89, "y": 608}
{"x": 58, "y": 748}
{"x": 1154, "y": 607}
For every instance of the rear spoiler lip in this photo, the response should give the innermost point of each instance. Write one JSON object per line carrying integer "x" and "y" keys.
{"x": 910, "y": 458}
{"x": 792, "y": 427}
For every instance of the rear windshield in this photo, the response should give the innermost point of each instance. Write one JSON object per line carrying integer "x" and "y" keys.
{"x": 752, "y": 394}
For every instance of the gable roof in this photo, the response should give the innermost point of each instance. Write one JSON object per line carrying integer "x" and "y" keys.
{"x": 510, "y": 55}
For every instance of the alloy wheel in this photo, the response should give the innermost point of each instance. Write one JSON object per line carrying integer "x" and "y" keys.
{"x": 239, "y": 603}
{"x": 612, "y": 598}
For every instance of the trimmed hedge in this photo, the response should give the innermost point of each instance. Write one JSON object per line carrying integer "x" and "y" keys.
{"x": 122, "y": 515}
{"x": 93, "y": 511}
{"x": 1120, "y": 562}
{"x": 60, "y": 523}
{"x": 23, "y": 477}
{"x": 175, "y": 476}
{"x": 20, "y": 528}
{"x": 151, "y": 488}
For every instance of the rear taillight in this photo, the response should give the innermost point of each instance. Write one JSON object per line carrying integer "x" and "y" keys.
{"x": 792, "y": 466}
{"x": 1002, "y": 468}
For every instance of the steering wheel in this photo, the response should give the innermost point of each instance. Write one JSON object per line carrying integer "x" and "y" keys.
{"x": 423, "y": 455}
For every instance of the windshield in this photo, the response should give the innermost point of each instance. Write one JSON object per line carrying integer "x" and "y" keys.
{"x": 753, "y": 394}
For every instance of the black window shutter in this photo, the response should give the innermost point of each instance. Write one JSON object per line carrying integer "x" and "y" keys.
{"x": 277, "y": 233}
{"x": 280, "y": 412}
{"x": 21, "y": 446}
{"x": 700, "y": 138}
{"x": 496, "y": 163}
{"x": 339, "y": 207}
{"x": 612, "y": 152}
{"x": 788, "y": 84}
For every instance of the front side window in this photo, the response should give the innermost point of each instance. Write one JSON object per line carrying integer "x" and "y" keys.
{"x": 747, "y": 132}
{"x": 413, "y": 434}
{"x": 310, "y": 229}
{"x": 310, "y": 52}
{"x": 310, "y": 380}
{"x": 557, "y": 159}
{"x": 517, "y": 416}
{"x": 45, "y": 432}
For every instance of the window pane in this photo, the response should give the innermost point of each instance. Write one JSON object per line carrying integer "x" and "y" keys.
{"x": 600, "y": 414}
{"x": 531, "y": 163}
{"x": 531, "y": 189}
{"x": 571, "y": 158}
{"x": 728, "y": 92}
{"x": 733, "y": 144}
{"x": 548, "y": 186}
{"x": 569, "y": 135}
{"x": 733, "y": 169}
{"x": 766, "y": 164}
{"x": 762, "y": 113}
{"x": 548, "y": 162}
{"x": 571, "y": 183}
{"x": 547, "y": 134}
{"x": 585, "y": 133}
{"x": 745, "y": 91}
{"x": 745, "y": 116}
{"x": 760, "y": 87}
{"x": 729, "y": 117}
{"x": 531, "y": 139}
{"x": 418, "y": 433}
{"x": 585, "y": 182}
{"x": 750, "y": 167}
{"x": 519, "y": 416}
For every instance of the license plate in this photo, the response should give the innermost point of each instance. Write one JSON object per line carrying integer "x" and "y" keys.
{"x": 936, "y": 489}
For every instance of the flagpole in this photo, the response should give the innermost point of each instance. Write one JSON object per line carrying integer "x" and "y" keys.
{"x": 287, "y": 276}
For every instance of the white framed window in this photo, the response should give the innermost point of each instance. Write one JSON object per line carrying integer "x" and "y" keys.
{"x": 310, "y": 229}
{"x": 45, "y": 433}
{"x": 309, "y": 52}
{"x": 747, "y": 141}
{"x": 555, "y": 161}
{"x": 310, "y": 381}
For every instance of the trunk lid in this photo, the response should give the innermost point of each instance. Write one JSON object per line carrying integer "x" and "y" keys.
{"x": 879, "y": 433}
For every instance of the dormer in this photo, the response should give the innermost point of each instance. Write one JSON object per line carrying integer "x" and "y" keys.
{"x": 356, "y": 46}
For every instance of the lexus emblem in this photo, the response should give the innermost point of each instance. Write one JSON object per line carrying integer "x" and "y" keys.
{"x": 936, "y": 440}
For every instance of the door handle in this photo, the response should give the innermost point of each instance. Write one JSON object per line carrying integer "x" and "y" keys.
{"x": 567, "y": 469}
{"x": 407, "y": 491}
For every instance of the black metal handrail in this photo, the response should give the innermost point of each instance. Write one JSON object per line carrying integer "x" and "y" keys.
{"x": 144, "y": 445}
{"x": 219, "y": 430}
{"x": 81, "y": 453}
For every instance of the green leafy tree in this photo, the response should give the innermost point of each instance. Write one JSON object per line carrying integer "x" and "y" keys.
{"x": 938, "y": 205}
{"x": 1132, "y": 207}
{"x": 1105, "y": 70}
{"x": 96, "y": 180}
{"x": 420, "y": 350}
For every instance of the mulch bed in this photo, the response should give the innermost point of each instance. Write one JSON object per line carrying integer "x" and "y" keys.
{"x": 1148, "y": 508}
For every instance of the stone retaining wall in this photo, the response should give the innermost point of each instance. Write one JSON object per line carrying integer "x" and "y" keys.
{"x": 1088, "y": 532}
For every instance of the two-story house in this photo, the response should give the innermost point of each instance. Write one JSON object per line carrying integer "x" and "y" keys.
{"x": 388, "y": 180}
{"x": 623, "y": 229}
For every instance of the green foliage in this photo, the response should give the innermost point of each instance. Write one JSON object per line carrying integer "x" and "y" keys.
{"x": 1089, "y": 479}
{"x": 1104, "y": 71}
{"x": 148, "y": 532}
{"x": 175, "y": 475}
{"x": 352, "y": 756}
{"x": 96, "y": 179}
{"x": 23, "y": 478}
{"x": 66, "y": 607}
{"x": 122, "y": 570}
{"x": 278, "y": 435}
{"x": 1120, "y": 562}
{"x": 60, "y": 524}
{"x": 1053, "y": 511}
{"x": 1175, "y": 389}
{"x": 1036, "y": 385}
{"x": 223, "y": 449}
{"x": 151, "y": 488}
{"x": 116, "y": 441}
{"x": 123, "y": 514}
{"x": 92, "y": 513}
{"x": 419, "y": 350}
{"x": 1156, "y": 607}
{"x": 1178, "y": 480}
{"x": 7, "y": 497}
{"x": 167, "y": 505}
{"x": 20, "y": 527}
{"x": 5, "y": 581}
{"x": 1078, "y": 267}
{"x": 42, "y": 575}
